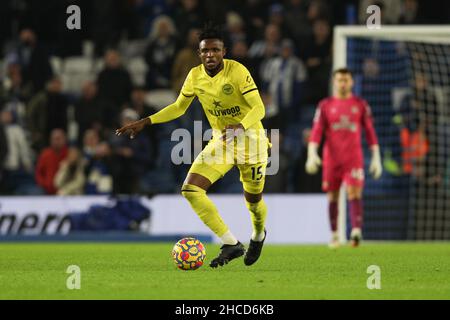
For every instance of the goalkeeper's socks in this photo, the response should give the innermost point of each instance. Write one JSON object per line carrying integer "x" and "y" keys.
{"x": 333, "y": 215}
{"x": 356, "y": 213}
{"x": 258, "y": 214}
{"x": 334, "y": 236}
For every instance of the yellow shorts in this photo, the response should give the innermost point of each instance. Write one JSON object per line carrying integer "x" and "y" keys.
{"x": 252, "y": 168}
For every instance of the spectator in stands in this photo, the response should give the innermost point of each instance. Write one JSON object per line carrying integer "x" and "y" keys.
{"x": 18, "y": 162}
{"x": 160, "y": 53}
{"x": 139, "y": 105}
{"x": 267, "y": 47}
{"x": 255, "y": 13}
{"x": 107, "y": 23}
{"x": 19, "y": 155}
{"x": 297, "y": 21}
{"x": 3, "y": 152}
{"x": 423, "y": 153}
{"x": 89, "y": 109}
{"x": 410, "y": 13}
{"x": 11, "y": 86}
{"x": 185, "y": 60}
{"x": 50, "y": 160}
{"x": 239, "y": 52}
{"x": 97, "y": 155}
{"x": 131, "y": 158}
{"x": 419, "y": 133}
{"x": 114, "y": 87}
{"x": 14, "y": 94}
{"x": 235, "y": 28}
{"x": 272, "y": 117}
{"x": 276, "y": 16}
{"x": 69, "y": 179}
{"x": 33, "y": 60}
{"x": 283, "y": 80}
{"x": 46, "y": 111}
{"x": 187, "y": 16}
{"x": 263, "y": 50}
{"x": 146, "y": 11}
{"x": 317, "y": 57}
{"x": 318, "y": 9}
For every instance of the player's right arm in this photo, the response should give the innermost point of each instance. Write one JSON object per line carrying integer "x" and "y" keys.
{"x": 174, "y": 110}
{"x": 313, "y": 160}
{"x": 169, "y": 113}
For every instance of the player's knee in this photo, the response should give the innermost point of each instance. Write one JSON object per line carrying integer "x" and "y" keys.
{"x": 190, "y": 192}
{"x": 253, "y": 197}
{"x": 187, "y": 194}
{"x": 354, "y": 194}
{"x": 333, "y": 196}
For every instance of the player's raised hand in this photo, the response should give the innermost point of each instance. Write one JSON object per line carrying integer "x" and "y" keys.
{"x": 313, "y": 161}
{"x": 132, "y": 129}
{"x": 375, "y": 168}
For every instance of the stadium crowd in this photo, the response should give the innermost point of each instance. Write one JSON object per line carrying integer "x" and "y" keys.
{"x": 57, "y": 136}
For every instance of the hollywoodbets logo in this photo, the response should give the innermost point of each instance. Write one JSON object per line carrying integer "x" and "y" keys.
{"x": 219, "y": 111}
{"x": 233, "y": 112}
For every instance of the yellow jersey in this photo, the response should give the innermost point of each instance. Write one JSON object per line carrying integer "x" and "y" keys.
{"x": 222, "y": 96}
{"x": 230, "y": 97}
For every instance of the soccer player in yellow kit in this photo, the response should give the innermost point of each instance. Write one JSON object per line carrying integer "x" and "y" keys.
{"x": 234, "y": 109}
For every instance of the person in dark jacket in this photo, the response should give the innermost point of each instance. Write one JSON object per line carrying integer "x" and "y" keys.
{"x": 114, "y": 87}
{"x": 131, "y": 159}
{"x": 33, "y": 60}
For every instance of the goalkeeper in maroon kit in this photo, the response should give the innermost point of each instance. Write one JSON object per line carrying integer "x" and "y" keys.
{"x": 341, "y": 118}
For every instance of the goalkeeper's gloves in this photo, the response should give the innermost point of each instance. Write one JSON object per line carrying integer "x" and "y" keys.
{"x": 313, "y": 162}
{"x": 375, "y": 168}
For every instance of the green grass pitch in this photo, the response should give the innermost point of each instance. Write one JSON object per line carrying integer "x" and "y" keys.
{"x": 146, "y": 271}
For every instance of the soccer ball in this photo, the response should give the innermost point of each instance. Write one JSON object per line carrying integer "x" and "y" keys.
{"x": 188, "y": 254}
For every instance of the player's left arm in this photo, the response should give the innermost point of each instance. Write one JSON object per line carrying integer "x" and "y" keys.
{"x": 375, "y": 168}
{"x": 249, "y": 91}
{"x": 257, "y": 111}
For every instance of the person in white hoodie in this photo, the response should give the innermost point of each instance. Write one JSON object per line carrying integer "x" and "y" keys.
{"x": 18, "y": 162}
{"x": 19, "y": 155}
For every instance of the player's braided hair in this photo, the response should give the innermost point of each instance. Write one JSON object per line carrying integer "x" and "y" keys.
{"x": 211, "y": 31}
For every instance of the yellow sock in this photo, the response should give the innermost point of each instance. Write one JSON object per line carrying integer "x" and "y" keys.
{"x": 258, "y": 213}
{"x": 204, "y": 208}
